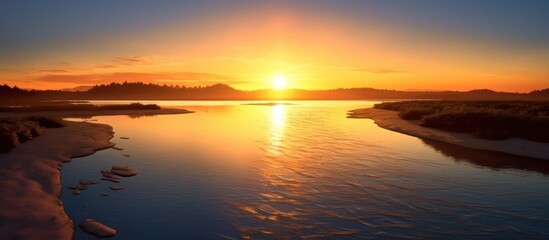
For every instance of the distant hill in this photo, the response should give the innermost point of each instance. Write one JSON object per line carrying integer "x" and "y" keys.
{"x": 77, "y": 89}
{"x": 544, "y": 93}
{"x": 142, "y": 91}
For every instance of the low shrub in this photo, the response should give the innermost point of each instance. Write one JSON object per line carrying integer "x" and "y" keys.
{"x": 415, "y": 113}
{"x": 484, "y": 119}
{"x": 8, "y": 139}
{"x": 79, "y": 107}
{"x": 47, "y": 122}
{"x": 14, "y": 131}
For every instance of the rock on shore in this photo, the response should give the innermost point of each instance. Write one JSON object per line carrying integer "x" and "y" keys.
{"x": 123, "y": 171}
{"x": 96, "y": 228}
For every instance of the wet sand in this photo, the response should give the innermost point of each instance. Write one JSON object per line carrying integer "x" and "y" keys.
{"x": 30, "y": 180}
{"x": 30, "y": 175}
{"x": 130, "y": 113}
{"x": 391, "y": 121}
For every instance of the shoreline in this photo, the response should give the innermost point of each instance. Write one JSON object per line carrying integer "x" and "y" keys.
{"x": 30, "y": 174}
{"x": 70, "y": 114}
{"x": 390, "y": 120}
{"x": 30, "y": 180}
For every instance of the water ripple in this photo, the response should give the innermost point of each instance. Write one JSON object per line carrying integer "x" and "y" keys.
{"x": 319, "y": 180}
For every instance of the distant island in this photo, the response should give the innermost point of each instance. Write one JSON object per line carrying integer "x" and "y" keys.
{"x": 142, "y": 91}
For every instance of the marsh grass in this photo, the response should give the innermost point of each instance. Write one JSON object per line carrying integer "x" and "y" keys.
{"x": 17, "y": 130}
{"x": 79, "y": 107}
{"x": 496, "y": 120}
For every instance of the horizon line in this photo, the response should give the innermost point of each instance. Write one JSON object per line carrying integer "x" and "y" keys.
{"x": 270, "y": 89}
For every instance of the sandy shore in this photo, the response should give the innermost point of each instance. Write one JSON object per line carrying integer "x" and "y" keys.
{"x": 391, "y": 121}
{"x": 30, "y": 180}
{"x": 30, "y": 175}
{"x": 131, "y": 113}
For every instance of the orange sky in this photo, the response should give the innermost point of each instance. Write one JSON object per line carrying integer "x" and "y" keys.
{"x": 320, "y": 49}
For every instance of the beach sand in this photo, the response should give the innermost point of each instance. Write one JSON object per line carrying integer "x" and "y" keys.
{"x": 391, "y": 121}
{"x": 67, "y": 114}
{"x": 30, "y": 175}
{"x": 30, "y": 180}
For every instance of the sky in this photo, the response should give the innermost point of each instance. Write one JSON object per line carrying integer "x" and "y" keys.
{"x": 318, "y": 44}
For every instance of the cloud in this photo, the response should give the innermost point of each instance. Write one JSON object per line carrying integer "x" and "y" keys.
{"x": 242, "y": 47}
{"x": 239, "y": 58}
{"x": 373, "y": 70}
{"x": 158, "y": 77}
{"x": 51, "y": 70}
{"x": 119, "y": 62}
{"x": 133, "y": 60}
{"x": 379, "y": 71}
{"x": 108, "y": 66}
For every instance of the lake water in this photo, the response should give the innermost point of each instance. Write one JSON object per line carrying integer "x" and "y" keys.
{"x": 233, "y": 171}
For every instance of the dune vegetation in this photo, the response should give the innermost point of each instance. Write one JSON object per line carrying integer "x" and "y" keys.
{"x": 17, "y": 130}
{"x": 79, "y": 107}
{"x": 496, "y": 120}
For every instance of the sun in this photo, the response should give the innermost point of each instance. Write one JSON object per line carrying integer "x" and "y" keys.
{"x": 279, "y": 82}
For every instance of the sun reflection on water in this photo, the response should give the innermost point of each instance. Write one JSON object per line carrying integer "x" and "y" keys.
{"x": 277, "y": 200}
{"x": 278, "y": 121}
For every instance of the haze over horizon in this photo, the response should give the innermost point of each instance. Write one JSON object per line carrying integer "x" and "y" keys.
{"x": 83, "y": 88}
{"x": 401, "y": 45}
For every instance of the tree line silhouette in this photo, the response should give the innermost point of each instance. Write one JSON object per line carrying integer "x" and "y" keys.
{"x": 143, "y": 91}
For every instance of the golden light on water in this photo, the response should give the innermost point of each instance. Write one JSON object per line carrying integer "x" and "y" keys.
{"x": 279, "y": 116}
{"x": 278, "y": 121}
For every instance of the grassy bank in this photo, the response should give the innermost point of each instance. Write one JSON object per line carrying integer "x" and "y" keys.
{"x": 495, "y": 120}
{"x": 14, "y": 131}
{"x": 79, "y": 107}
{"x": 17, "y": 130}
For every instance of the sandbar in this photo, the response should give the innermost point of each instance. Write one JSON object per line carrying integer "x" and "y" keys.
{"x": 76, "y": 114}
{"x": 390, "y": 120}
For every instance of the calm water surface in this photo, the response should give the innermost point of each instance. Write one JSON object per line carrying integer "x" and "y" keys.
{"x": 233, "y": 171}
